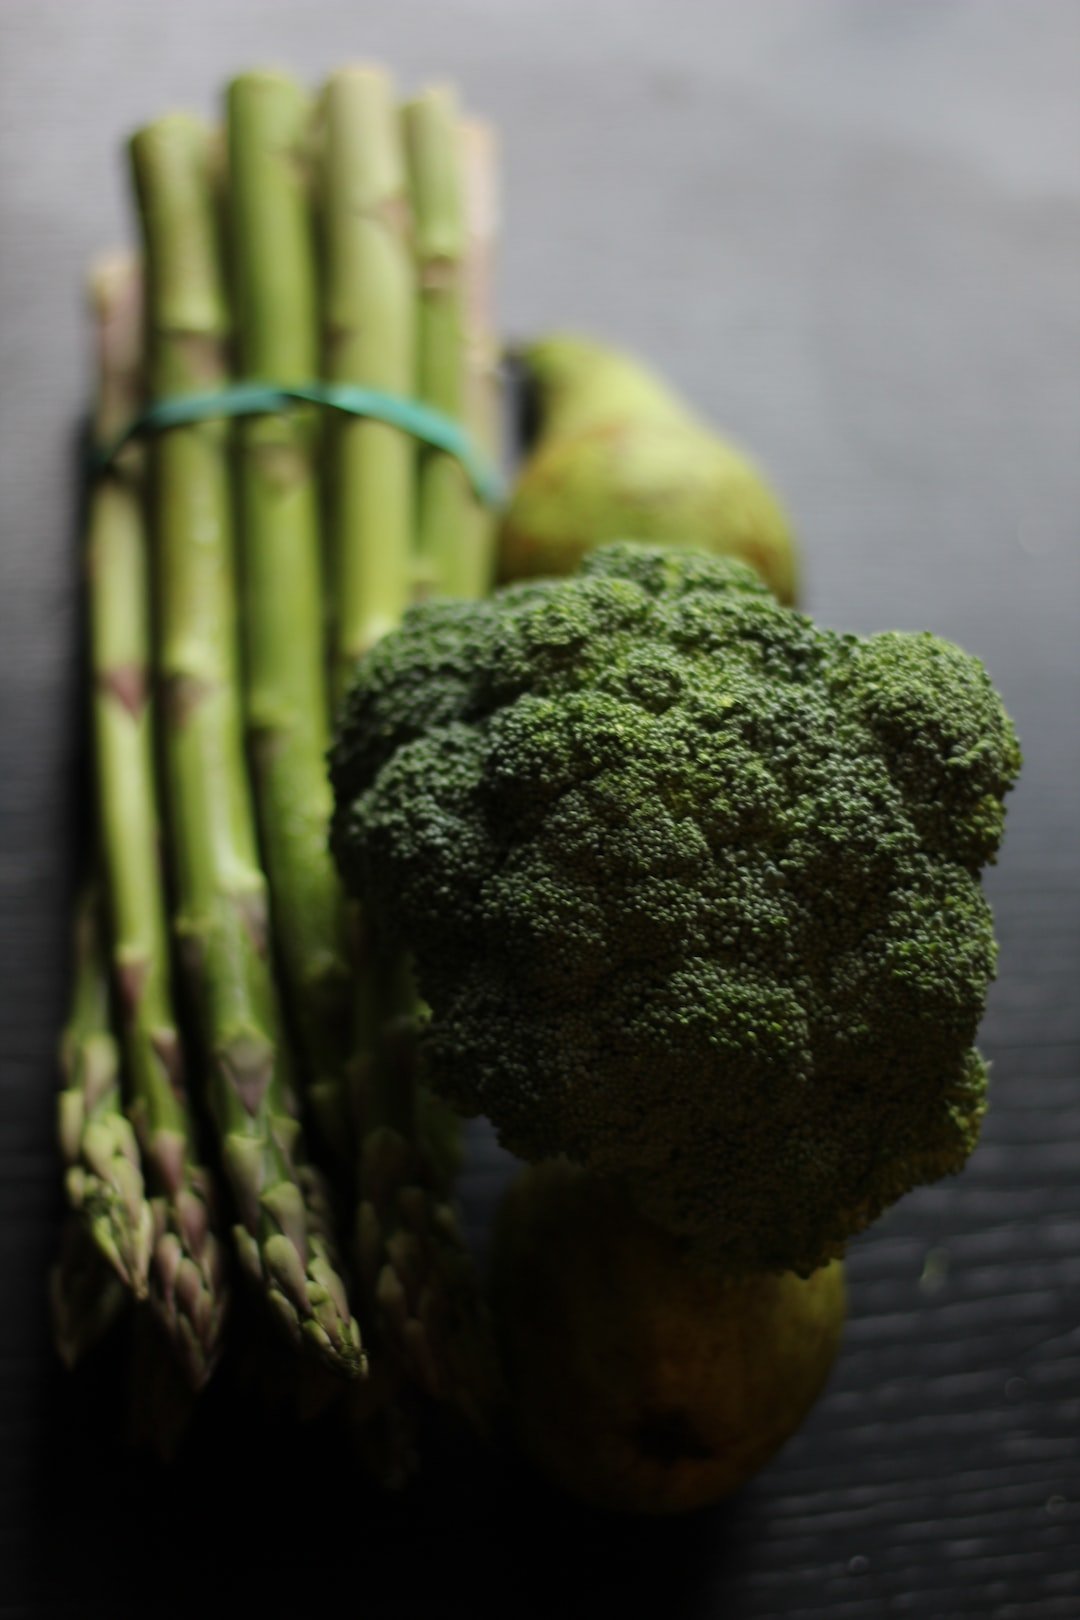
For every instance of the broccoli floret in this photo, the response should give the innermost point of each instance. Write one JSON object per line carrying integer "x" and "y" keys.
{"x": 692, "y": 887}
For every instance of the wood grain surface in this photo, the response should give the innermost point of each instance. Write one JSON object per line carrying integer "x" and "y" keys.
{"x": 850, "y": 230}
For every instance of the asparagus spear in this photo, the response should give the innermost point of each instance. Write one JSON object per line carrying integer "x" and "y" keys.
{"x": 161, "y": 1402}
{"x": 187, "y": 1274}
{"x": 103, "y": 1180}
{"x": 445, "y": 534}
{"x": 369, "y": 338}
{"x": 483, "y": 404}
{"x": 287, "y": 697}
{"x": 433, "y": 1327}
{"x": 85, "y": 1294}
{"x": 222, "y": 921}
{"x": 369, "y": 315}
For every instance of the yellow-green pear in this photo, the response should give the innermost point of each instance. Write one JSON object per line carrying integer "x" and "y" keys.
{"x": 618, "y": 456}
{"x": 639, "y": 1381}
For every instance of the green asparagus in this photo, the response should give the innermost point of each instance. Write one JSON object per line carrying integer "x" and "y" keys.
{"x": 103, "y": 1178}
{"x": 222, "y": 921}
{"x": 187, "y": 1272}
{"x": 286, "y": 684}
{"x": 85, "y": 1294}
{"x": 445, "y": 535}
{"x": 483, "y": 406}
{"x": 415, "y": 1277}
{"x": 368, "y": 338}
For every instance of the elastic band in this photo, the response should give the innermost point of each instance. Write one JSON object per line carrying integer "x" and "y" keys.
{"x": 423, "y": 422}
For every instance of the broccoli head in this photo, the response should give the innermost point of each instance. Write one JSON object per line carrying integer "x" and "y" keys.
{"x": 692, "y": 888}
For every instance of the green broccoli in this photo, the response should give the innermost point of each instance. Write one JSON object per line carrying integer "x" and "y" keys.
{"x": 692, "y": 887}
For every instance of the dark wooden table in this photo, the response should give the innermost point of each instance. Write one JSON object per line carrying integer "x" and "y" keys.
{"x": 850, "y": 229}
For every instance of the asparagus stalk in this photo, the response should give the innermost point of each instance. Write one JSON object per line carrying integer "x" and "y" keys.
{"x": 103, "y": 1179}
{"x": 369, "y": 338}
{"x": 222, "y": 902}
{"x": 369, "y": 313}
{"x": 483, "y": 402}
{"x": 187, "y": 1274}
{"x": 445, "y": 533}
{"x": 286, "y": 686}
{"x": 413, "y": 1260}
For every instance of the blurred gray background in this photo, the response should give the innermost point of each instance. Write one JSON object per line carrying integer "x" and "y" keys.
{"x": 850, "y": 231}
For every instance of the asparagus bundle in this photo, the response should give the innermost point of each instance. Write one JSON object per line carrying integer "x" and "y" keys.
{"x": 187, "y": 1282}
{"x": 244, "y": 650}
{"x": 221, "y": 888}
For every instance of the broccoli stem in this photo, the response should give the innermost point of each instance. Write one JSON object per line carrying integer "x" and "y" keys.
{"x": 103, "y": 1180}
{"x": 222, "y": 902}
{"x": 446, "y": 537}
{"x": 187, "y": 1274}
{"x": 369, "y": 339}
{"x": 286, "y": 683}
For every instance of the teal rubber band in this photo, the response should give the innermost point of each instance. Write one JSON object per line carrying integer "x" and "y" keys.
{"x": 423, "y": 422}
